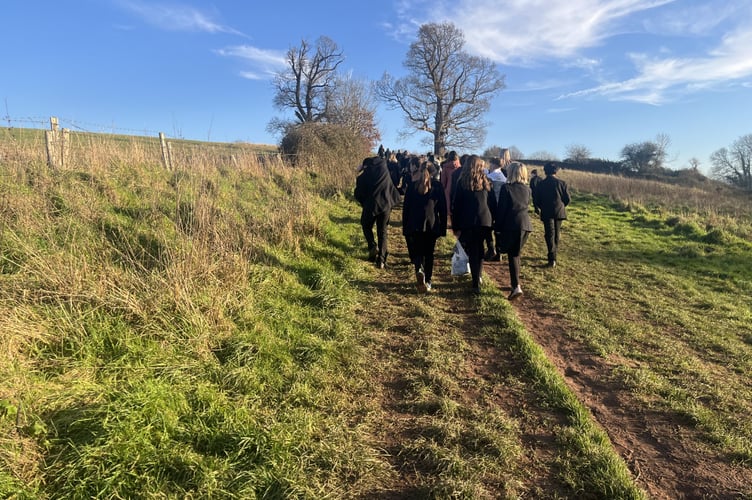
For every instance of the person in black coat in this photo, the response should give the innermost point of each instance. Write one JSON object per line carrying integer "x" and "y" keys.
{"x": 551, "y": 199}
{"x": 534, "y": 181}
{"x": 512, "y": 221}
{"x": 472, "y": 204}
{"x": 424, "y": 220}
{"x": 377, "y": 194}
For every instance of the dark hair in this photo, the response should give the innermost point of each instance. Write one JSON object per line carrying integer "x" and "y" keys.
{"x": 550, "y": 168}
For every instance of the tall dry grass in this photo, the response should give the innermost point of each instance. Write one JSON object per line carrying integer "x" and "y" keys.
{"x": 715, "y": 206}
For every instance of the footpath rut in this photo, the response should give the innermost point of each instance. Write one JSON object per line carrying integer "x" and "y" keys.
{"x": 662, "y": 451}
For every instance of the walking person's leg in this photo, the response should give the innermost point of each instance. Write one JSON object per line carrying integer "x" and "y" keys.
{"x": 382, "y": 224}
{"x": 515, "y": 263}
{"x": 549, "y": 229}
{"x": 429, "y": 248}
{"x": 367, "y": 220}
{"x": 557, "y": 233}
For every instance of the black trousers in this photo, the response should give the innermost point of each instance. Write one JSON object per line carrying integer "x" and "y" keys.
{"x": 421, "y": 247}
{"x": 381, "y": 221}
{"x": 515, "y": 240}
{"x": 551, "y": 231}
{"x": 473, "y": 241}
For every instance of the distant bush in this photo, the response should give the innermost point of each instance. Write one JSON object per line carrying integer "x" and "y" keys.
{"x": 331, "y": 152}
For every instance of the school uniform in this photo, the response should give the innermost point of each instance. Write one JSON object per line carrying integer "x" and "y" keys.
{"x": 551, "y": 199}
{"x": 512, "y": 224}
{"x": 424, "y": 220}
{"x": 377, "y": 194}
{"x": 471, "y": 215}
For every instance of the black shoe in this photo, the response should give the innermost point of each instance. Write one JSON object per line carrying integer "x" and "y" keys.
{"x": 380, "y": 264}
{"x": 551, "y": 264}
{"x": 420, "y": 280}
{"x": 476, "y": 290}
{"x": 372, "y": 253}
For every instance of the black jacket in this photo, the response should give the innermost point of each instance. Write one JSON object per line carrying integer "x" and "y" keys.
{"x": 471, "y": 208}
{"x": 374, "y": 188}
{"x": 424, "y": 213}
{"x": 512, "y": 208}
{"x": 552, "y": 198}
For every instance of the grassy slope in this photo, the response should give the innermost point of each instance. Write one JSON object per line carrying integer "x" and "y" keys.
{"x": 666, "y": 296}
{"x": 202, "y": 333}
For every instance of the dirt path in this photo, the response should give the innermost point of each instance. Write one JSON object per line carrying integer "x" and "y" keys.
{"x": 665, "y": 453}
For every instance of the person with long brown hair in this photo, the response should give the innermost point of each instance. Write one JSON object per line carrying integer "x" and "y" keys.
{"x": 424, "y": 219}
{"x": 472, "y": 204}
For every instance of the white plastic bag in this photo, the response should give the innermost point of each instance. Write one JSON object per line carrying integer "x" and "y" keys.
{"x": 460, "y": 261}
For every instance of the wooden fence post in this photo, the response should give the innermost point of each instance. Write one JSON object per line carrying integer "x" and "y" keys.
{"x": 57, "y": 142}
{"x": 64, "y": 144}
{"x": 166, "y": 151}
{"x": 50, "y": 140}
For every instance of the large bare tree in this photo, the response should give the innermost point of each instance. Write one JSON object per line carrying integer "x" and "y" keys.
{"x": 351, "y": 104}
{"x": 446, "y": 91}
{"x": 308, "y": 80}
{"x": 734, "y": 164}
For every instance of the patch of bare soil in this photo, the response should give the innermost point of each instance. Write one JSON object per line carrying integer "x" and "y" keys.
{"x": 665, "y": 452}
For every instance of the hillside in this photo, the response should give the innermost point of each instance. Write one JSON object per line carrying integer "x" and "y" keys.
{"x": 215, "y": 331}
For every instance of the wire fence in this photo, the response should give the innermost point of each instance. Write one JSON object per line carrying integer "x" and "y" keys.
{"x": 64, "y": 143}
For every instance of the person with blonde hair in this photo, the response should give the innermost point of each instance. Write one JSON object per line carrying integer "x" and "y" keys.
{"x": 472, "y": 204}
{"x": 424, "y": 219}
{"x": 512, "y": 221}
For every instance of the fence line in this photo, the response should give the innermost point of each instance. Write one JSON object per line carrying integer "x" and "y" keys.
{"x": 60, "y": 143}
{"x": 81, "y": 126}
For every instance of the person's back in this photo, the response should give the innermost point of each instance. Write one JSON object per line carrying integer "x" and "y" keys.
{"x": 448, "y": 168}
{"x": 552, "y": 197}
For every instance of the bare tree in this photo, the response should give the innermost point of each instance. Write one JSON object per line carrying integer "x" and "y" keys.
{"x": 543, "y": 155}
{"x": 515, "y": 153}
{"x": 446, "y": 92}
{"x": 351, "y": 103}
{"x": 734, "y": 165}
{"x": 578, "y": 153}
{"x": 308, "y": 81}
{"x": 493, "y": 151}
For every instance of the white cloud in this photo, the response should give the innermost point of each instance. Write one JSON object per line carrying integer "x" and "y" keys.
{"x": 591, "y": 35}
{"x": 661, "y": 79}
{"x": 264, "y": 63}
{"x": 523, "y": 32}
{"x": 177, "y": 17}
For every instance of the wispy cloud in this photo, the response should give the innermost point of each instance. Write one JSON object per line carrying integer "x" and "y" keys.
{"x": 662, "y": 79}
{"x": 523, "y": 32}
{"x": 590, "y": 35}
{"x": 263, "y": 64}
{"x": 175, "y": 17}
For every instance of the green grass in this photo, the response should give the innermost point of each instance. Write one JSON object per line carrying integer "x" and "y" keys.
{"x": 669, "y": 294}
{"x": 211, "y": 333}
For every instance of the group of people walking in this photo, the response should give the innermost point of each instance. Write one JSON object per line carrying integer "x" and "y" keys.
{"x": 487, "y": 209}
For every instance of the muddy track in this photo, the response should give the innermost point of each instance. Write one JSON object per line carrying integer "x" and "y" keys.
{"x": 665, "y": 452}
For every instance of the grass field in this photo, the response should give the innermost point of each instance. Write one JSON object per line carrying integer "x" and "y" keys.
{"x": 211, "y": 332}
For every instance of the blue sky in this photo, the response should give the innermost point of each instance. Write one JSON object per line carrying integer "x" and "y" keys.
{"x": 601, "y": 73}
